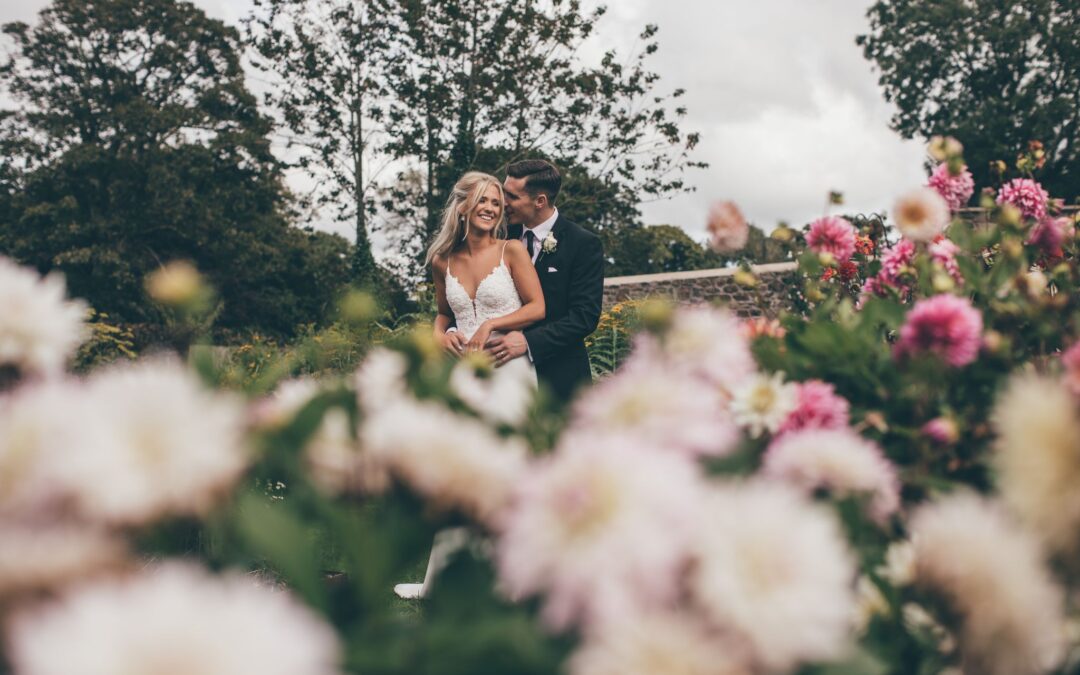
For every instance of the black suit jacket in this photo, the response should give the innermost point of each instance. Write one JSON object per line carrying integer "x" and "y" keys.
{"x": 572, "y": 278}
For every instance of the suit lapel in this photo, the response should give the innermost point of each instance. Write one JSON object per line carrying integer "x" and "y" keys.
{"x": 556, "y": 231}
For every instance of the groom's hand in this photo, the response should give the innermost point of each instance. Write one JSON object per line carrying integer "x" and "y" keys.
{"x": 507, "y": 347}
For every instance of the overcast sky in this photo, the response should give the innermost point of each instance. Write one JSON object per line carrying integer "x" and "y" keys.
{"x": 786, "y": 105}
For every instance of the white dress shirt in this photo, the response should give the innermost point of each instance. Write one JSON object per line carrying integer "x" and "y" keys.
{"x": 541, "y": 232}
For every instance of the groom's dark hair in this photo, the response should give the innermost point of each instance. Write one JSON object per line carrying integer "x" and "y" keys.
{"x": 540, "y": 176}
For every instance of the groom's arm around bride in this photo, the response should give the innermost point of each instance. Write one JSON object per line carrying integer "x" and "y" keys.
{"x": 570, "y": 263}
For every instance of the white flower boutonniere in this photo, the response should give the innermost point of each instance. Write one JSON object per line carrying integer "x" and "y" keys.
{"x": 550, "y": 242}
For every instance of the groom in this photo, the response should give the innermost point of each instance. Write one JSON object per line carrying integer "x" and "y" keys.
{"x": 570, "y": 263}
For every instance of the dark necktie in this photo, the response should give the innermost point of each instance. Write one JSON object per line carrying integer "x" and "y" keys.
{"x": 530, "y": 242}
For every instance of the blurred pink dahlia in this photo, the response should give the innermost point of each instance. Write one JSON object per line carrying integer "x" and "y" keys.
{"x": 943, "y": 251}
{"x": 819, "y": 407}
{"x": 1049, "y": 234}
{"x": 1026, "y": 195}
{"x": 945, "y": 325}
{"x": 893, "y": 262}
{"x": 727, "y": 227}
{"x": 832, "y": 234}
{"x": 956, "y": 190}
{"x": 941, "y": 430}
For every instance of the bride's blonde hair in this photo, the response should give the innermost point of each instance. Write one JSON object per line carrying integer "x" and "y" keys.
{"x": 459, "y": 207}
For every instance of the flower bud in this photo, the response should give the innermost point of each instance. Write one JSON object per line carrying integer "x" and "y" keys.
{"x": 1012, "y": 247}
{"x": 941, "y": 430}
{"x": 876, "y": 420}
{"x": 1035, "y": 283}
{"x": 358, "y": 307}
{"x": 942, "y": 282}
{"x": 656, "y": 314}
{"x": 177, "y": 284}
{"x": 993, "y": 342}
{"x": 782, "y": 233}
{"x": 745, "y": 278}
{"x": 1010, "y": 215}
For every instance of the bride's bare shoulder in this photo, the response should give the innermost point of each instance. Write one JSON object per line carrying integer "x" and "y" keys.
{"x": 439, "y": 262}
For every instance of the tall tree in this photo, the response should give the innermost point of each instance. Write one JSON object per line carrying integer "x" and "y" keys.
{"x": 993, "y": 73}
{"x": 328, "y": 58}
{"x": 481, "y": 83}
{"x": 437, "y": 89}
{"x": 135, "y": 141}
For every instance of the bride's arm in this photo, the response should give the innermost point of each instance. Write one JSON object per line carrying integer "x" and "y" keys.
{"x": 453, "y": 342}
{"x": 528, "y": 288}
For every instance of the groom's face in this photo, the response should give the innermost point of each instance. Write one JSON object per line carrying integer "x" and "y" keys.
{"x": 521, "y": 208}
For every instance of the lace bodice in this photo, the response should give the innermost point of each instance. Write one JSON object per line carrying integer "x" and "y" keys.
{"x": 496, "y": 296}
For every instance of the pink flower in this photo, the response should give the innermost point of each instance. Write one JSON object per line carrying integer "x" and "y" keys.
{"x": 894, "y": 259}
{"x": 727, "y": 227}
{"x": 818, "y": 407}
{"x": 655, "y": 404}
{"x": 1049, "y": 234}
{"x": 944, "y": 325}
{"x": 838, "y": 460}
{"x": 832, "y": 234}
{"x": 602, "y": 528}
{"x": 943, "y": 251}
{"x": 893, "y": 262}
{"x": 956, "y": 190}
{"x": 1026, "y": 195}
{"x": 1071, "y": 360}
{"x": 941, "y": 430}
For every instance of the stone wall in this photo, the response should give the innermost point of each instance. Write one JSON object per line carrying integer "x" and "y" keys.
{"x": 766, "y": 299}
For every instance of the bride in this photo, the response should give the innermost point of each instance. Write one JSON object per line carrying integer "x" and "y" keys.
{"x": 485, "y": 286}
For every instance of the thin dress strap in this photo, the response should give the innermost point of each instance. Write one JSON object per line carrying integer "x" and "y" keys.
{"x": 503, "y": 256}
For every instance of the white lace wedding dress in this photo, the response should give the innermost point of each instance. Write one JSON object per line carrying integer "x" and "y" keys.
{"x": 496, "y": 296}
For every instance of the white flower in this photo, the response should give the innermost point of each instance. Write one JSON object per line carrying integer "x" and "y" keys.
{"x": 288, "y": 398}
{"x": 500, "y": 396}
{"x": 658, "y": 407}
{"x": 332, "y": 454}
{"x": 550, "y": 242}
{"x": 921, "y": 214}
{"x": 774, "y": 569}
{"x": 899, "y": 567}
{"x": 1036, "y": 457}
{"x": 991, "y": 575}
{"x": 39, "y": 328}
{"x": 35, "y": 449}
{"x": 454, "y": 460}
{"x": 380, "y": 379}
{"x": 763, "y": 402}
{"x": 838, "y": 460}
{"x": 870, "y": 602}
{"x": 702, "y": 341}
{"x": 34, "y": 557}
{"x": 171, "y": 445}
{"x": 659, "y": 643}
{"x": 175, "y": 619}
{"x": 600, "y": 528}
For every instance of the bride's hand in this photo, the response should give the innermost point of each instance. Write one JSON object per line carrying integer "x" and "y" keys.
{"x": 453, "y": 343}
{"x": 479, "y": 338}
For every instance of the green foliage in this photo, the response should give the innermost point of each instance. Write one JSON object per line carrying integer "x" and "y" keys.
{"x": 609, "y": 345}
{"x": 107, "y": 343}
{"x": 443, "y": 88}
{"x": 993, "y": 74}
{"x": 125, "y": 157}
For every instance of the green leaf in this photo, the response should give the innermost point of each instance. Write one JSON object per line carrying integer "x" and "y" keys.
{"x": 275, "y": 532}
